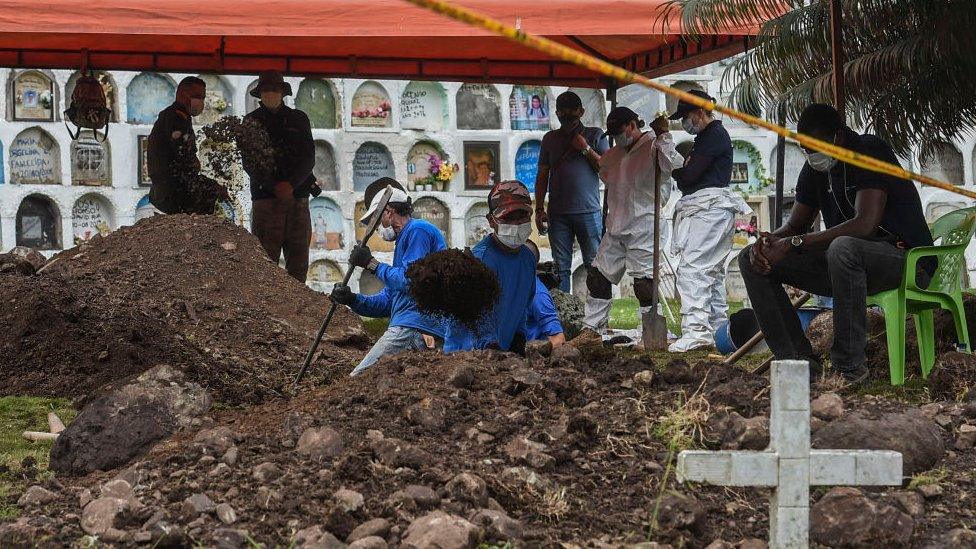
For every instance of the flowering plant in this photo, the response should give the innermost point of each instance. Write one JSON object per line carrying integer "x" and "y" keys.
{"x": 381, "y": 111}
{"x": 220, "y": 104}
{"x": 441, "y": 172}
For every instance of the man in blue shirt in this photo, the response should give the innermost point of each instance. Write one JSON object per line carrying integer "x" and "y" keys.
{"x": 542, "y": 319}
{"x": 569, "y": 161}
{"x": 415, "y": 238}
{"x": 703, "y": 226}
{"x": 504, "y": 252}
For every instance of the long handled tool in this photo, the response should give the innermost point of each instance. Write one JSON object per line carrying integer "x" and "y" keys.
{"x": 754, "y": 340}
{"x": 373, "y": 224}
{"x": 655, "y": 330}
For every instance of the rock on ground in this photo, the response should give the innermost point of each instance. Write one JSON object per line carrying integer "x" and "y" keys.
{"x": 36, "y": 495}
{"x": 959, "y": 538}
{"x": 125, "y": 423}
{"x": 439, "y": 530}
{"x": 320, "y": 443}
{"x": 918, "y": 438}
{"x": 828, "y": 406}
{"x": 844, "y": 517}
{"x": 102, "y": 514}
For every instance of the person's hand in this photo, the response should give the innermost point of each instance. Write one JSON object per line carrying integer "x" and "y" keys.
{"x": 342, "y": 295}
{"x": 360, "y": 256}
{"x": 660, "y": 125}
{"x": 541, "y": 220}
{"x": 283, "y": 191}
{"x": 429, "y": 341}
{"x": 757, "y": 257}
{"x": 771, "y": 252}
{"x": 579, "y": 142}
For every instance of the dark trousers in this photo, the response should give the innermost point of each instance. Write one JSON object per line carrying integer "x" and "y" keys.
{"x": 849, "y": 271}
{"x": 284, "y": 228}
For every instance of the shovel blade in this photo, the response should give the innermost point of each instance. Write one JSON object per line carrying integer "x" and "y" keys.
{"x": 654, "y": 331}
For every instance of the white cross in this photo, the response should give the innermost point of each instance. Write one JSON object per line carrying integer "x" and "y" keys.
{"x": 788, "y": 465}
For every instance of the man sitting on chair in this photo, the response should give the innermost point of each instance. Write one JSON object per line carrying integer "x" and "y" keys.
{"x": 872, "y": 220}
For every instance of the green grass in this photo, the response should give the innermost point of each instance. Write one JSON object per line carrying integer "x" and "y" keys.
{"x": 624, "y": 315}
{"x": 19, "y": 414}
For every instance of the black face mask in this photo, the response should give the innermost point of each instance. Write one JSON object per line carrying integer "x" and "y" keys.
{"x": 566, "y": 120}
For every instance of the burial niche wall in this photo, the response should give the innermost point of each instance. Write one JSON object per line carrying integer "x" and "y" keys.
{"x": 323, "y": 275}
{"x": 90, "y": 161}
{"x": 371, "y": 162}
{"x": 479, "y": 107}
{"x": 147, "y": 95}
{"x": 35, "y": 158}
{"x": 436, "y": 213}
{"x": 325, "y": 166}
{"x": 316, "y": 98}
{"x": 32, "y": 96}
{"x": 423, "y": 106}
{"x": 217, "y": 102}
{"x": 38, "y": 223}
{"x": 328, "y": 225}
{"x": 108, "y": 86}
{"x": 91, "y": 215}
{"x": 529, "y": 108}
{"x": 371, "y": 107}
{"x": 943, "y": 162}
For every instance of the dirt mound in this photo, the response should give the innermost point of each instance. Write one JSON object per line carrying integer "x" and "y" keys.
{"x": 195, "y": 292}
{"x": 453, "y": 284}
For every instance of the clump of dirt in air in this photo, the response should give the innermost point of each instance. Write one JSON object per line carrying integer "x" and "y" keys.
{"x": 455, "y": 285}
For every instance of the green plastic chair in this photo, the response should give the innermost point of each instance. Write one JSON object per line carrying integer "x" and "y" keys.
{"x": 953, "y": 233}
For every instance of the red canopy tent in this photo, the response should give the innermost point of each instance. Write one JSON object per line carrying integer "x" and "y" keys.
{"x": 347, "y": 38}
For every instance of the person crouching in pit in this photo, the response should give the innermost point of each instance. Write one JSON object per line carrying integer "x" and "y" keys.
{"x": 504, "y": 252}
{"x": 415, "y": 239}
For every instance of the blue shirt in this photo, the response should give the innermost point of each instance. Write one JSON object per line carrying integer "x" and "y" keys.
{"x": 710, "y": 162}
{"x": 516, "y": 277}
{"x": 417, "y": 239}
{"x": 574, "y": 186}
{"x": 542, "y": 320}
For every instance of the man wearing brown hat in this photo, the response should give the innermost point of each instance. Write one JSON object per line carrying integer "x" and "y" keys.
{"x": 279, "y": 212}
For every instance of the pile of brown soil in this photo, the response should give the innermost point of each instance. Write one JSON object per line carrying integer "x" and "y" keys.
{"x": 453, "y": 284}
{"x": 195, "y": 292}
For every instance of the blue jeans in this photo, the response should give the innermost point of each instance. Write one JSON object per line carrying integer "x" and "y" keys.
{"x": 587, "y": 228}
{"x": 394, "y": 340}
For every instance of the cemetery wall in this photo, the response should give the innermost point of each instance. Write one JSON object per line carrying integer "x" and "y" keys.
{"x": 55, "y": 192}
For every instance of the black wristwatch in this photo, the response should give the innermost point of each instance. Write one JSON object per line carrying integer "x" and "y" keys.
{"x": 797, "y": 243}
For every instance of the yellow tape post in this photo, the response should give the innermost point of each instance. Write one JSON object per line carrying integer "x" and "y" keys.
{"x": 619, "y": 74}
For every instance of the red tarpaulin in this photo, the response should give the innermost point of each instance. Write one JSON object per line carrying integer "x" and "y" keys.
{"x": 346, "y": 38}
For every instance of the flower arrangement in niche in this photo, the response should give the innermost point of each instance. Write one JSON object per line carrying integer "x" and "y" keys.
{"x": 220, "y": 104}
{"x": 441, "y": 173}
{"x": 380, "y": 111}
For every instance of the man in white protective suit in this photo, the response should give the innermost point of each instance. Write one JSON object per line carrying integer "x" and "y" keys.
{"x": 703, "y": 226}
{"x": 637, "y": 162}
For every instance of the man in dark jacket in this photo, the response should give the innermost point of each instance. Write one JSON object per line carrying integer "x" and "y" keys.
{"x": 279, "y": 211}
{"x": 172, "y": 149}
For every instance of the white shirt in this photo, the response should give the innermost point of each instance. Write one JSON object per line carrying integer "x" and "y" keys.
{"x": 630, "y": 177}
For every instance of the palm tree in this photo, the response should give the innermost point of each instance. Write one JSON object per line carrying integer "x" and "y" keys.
{"x": 910, "y": 67}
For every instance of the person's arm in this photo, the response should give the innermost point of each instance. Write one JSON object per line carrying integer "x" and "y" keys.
{"x": 378, "y": 305}
{"x": 668, "y": 156}
{"x": 542, "y": 187}
{"x": 591, "y": 155}
{"x": 544, "y": 310}
{"x": 419, "y": 245}
{"x": 304, "y": 153}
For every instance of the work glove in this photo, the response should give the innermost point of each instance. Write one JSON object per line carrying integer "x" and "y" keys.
{"x": 360, "y": 256}
{"x": 284, "y": 192}
{"x": 342, "y": 295}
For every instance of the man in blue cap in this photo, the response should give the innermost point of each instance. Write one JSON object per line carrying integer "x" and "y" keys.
{"x": 415, "y": 239}
{"x": 504, "y": 252}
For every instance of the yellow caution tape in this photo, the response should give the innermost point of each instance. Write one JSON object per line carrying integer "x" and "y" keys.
{"x": 619, "y": 74}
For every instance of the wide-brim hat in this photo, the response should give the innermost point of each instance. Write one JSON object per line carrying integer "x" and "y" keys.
{"x": 373, "y": 192}
{"x": 685, "y": 108}
{"x": 268, "y": 79}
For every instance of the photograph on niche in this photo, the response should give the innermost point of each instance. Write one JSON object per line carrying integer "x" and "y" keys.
{"x": 481, "y": 164}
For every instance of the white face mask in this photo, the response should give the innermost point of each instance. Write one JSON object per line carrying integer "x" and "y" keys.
{"x": 387, "y": 233}
{"x": 688, "y": 125}
{"x": 623, "y": 139}
{"x": 513, "y": 236}
{"x": 821, "y": 162}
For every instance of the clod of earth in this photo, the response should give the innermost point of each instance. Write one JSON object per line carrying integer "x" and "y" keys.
{"x": 453, "y": 285}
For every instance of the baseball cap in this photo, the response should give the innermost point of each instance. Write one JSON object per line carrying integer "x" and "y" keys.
{"x": 620, "y": 117}
{"x": 507, "y": 197}
{"x": 685, "y": 108}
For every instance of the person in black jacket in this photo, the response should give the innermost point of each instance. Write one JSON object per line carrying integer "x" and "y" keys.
{"x": 279, "y": 212}
{"x": 172, "y": 149}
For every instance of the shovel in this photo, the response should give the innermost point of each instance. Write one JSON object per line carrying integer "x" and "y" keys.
{"x": 373, "y": 224}
{"x": 654, "y": 328}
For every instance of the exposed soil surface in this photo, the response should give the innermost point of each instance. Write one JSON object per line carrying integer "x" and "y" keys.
{"x": 453, "y": 284}
{"x": 195, "y": 292}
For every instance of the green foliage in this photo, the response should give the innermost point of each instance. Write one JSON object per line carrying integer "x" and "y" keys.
{"x": 909, "y": 65}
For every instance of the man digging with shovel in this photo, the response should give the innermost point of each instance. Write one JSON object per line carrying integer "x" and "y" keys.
{"x": 415, "y": 239}
{"x": 637, "y": 168}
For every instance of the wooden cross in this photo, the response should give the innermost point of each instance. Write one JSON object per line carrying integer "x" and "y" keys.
{"x": 788, "y": 465}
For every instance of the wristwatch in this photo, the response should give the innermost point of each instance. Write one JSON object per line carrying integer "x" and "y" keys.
{"x": 372, "y": 265}
{"x": 797, "y": 243}
{"x": 586, "y": 151}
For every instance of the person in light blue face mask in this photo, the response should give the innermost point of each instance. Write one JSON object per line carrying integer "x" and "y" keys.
{"x": 415, "y": 239}
{"x": 871, "y": 220}
{"x": 505, "y": 254}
